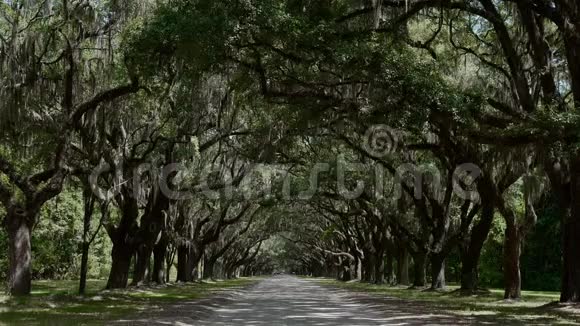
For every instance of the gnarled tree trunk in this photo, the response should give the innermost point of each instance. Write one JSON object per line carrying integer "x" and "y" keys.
{"x": 511, "y": 262}
{"x": 471, "y": 251}
{"x": 379, "y": 269}
{"x": 570, "y": 208}
{"x": 183, "y": 274}
{"x": 18, "y": 225}
{"x": 403, "y": 267}
{"x": 420, "y": 262}
{"x": 389, "y": 271}
{"x": 121, "y": 263}
{"x": 122, "y": 237}
{"x": 159, "y": 256}
{"x": 437, "y": 271}
{"x": 208, "y": 268}
{"x": 143, "y": 260}
{"x": 84, "y": 267}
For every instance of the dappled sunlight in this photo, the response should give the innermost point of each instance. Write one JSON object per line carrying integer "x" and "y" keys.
{"x": 57, "y": 301}
{"x": 291, "y": 301}
{"x": 487, "y": 308}
{"x": 541, "y": 294}
{"x": 505, "y": 303}
{"x": 474, "y": 313}
{"x": 287, "y": 300}
{"x": 282, "y": 300}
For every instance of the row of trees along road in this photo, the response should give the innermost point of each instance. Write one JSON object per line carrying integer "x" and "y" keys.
{"x": 127, "y": 88}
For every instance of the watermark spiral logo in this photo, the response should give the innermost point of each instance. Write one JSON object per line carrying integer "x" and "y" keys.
{"x": 381, "y": 140}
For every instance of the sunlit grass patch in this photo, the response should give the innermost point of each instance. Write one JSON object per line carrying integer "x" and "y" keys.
{"x": 57, "y": 302}
{"x": 533, "y": 308}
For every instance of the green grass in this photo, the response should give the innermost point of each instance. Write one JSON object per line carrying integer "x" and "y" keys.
{"x": 56, "y": 302}
{"x": 536, "y": 307}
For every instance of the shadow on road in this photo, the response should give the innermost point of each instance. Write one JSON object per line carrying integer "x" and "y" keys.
{"x": 287, "y": 300}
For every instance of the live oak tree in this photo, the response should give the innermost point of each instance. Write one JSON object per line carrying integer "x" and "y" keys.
{"x": 49, "y": 84}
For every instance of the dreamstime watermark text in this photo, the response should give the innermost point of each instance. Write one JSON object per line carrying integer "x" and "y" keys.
{"x": 349, "y": 180}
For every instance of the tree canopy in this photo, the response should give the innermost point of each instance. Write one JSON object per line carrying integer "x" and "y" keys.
{"x": 358, "y": 139}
